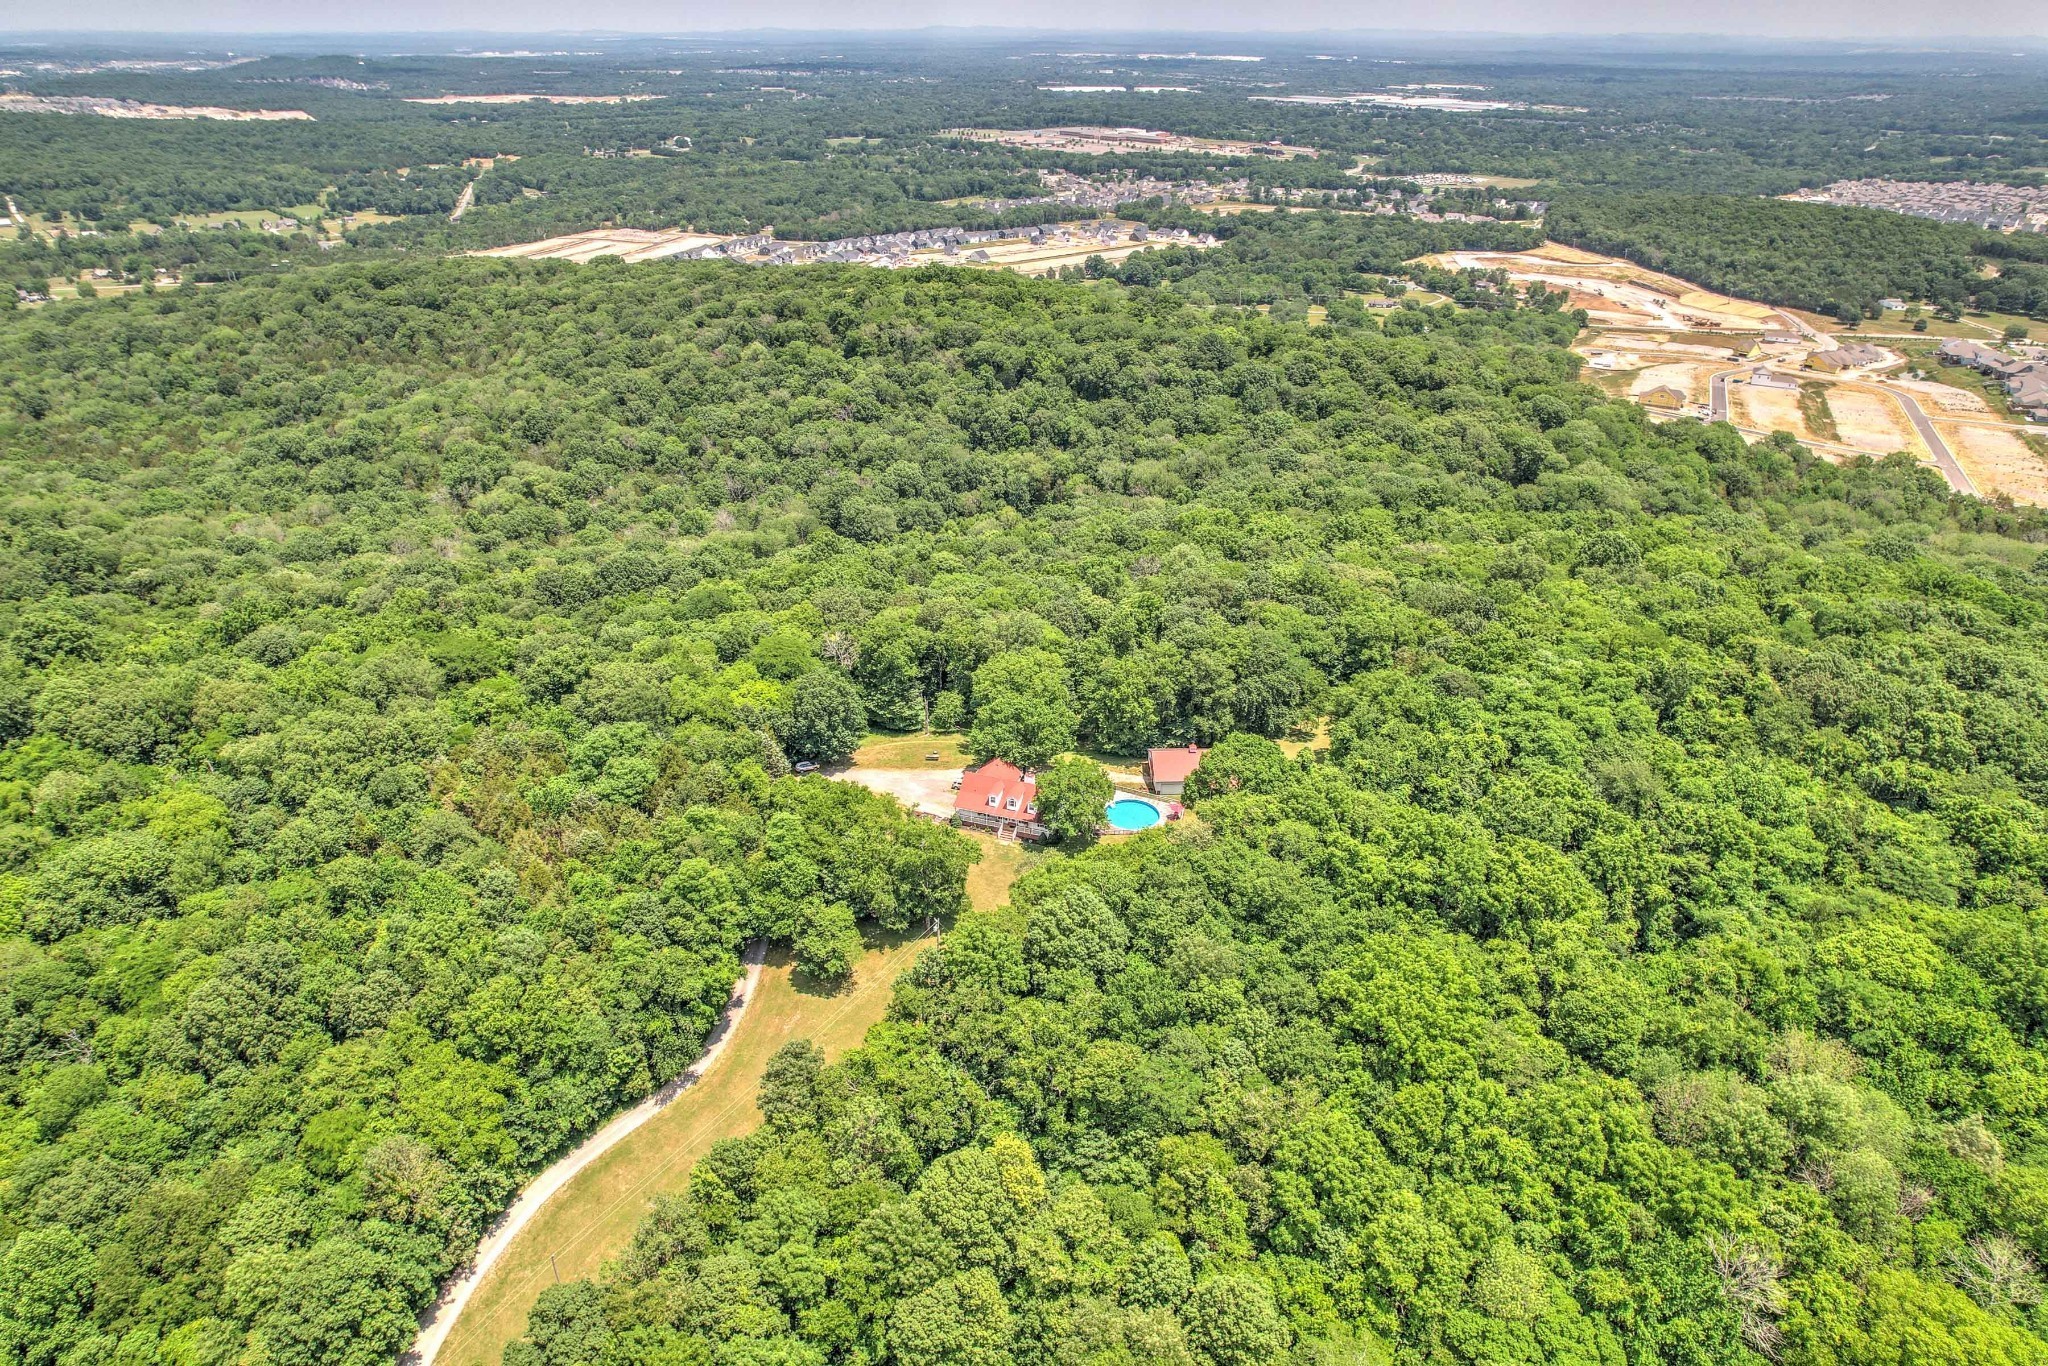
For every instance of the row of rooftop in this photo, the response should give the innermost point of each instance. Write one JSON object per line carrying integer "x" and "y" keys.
{"x": 2025, "y": 380}
{"x": 2000, "y": 208}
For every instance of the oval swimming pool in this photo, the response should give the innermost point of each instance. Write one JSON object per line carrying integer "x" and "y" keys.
{"x": 1132, "y": 813}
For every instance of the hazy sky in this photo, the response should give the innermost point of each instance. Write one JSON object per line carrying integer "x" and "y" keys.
{"x": 1842, "y": 19}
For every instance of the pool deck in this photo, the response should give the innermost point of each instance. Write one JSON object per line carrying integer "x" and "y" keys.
{"x": 1160, "y": 805}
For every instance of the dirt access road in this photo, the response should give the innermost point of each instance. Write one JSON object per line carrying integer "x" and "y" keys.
{"x": 441, "y": 1319}
{"x": 591, "y": 1215}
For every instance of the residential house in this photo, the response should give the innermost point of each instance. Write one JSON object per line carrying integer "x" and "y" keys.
{"x": 1663, "y": 396}
{"x": 1001, "y": 797}
{"x": 2024, "y": 379}
{"x": 1771, "y": 379}
{"x": 1846, "y": 358}
{"x": 1976, "y": 355}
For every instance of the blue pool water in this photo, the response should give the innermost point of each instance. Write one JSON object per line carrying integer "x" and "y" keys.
{"x": 1128, "y": 813}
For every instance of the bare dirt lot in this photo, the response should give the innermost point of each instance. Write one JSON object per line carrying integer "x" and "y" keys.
{"x": 524, "y": 99}
{"x": 1092, "y": 141}
{"x": 1873, "y": 421}
{"x": 1997, "y": 460}
{"x": 1770, "y": 410}
{"x": 633, "y": 244}
{"x": 928, "y": 791}
{"x": 1692, "y": 377}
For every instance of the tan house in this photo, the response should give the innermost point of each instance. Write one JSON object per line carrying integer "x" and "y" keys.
{"x": 1663, "y": 396}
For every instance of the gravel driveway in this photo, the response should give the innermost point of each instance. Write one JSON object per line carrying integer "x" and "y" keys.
{"x": 929, "y": 790}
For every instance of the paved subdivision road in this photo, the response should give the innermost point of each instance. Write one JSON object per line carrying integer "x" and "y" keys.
{"x": 1717, "y": 401}
{"x": 1944, "y": 459}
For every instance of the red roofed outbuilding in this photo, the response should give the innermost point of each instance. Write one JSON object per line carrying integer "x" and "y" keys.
{"x": 1167, "y": 770}
{"x": 1001, "y": 797}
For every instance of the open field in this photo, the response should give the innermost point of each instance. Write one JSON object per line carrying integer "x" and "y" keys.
{"x": 1972, "y": 327}
{"x": 1446, "y": 179}
{"x": 907, "y": 751}
{"x": 1227, "y": 207}
{"x": 253, "y": 219}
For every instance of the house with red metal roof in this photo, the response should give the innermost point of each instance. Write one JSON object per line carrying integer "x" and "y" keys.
{"x": 1001, "y": 797}
{"x": 1167, "y": 770}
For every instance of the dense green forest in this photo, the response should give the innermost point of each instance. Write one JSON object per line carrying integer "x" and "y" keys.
{"x": 404, "y": 660}
{"x": 1814, "y": 256}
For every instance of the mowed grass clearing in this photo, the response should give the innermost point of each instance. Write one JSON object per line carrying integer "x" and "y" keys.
{"x": 593, "y": 1217}
{"x": 908, "y": 751}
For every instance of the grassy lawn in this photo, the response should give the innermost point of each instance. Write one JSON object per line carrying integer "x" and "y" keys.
{"x": 1002, "y": 862}
{"x": 593, "y": 1217}
{"x": 883, "y": 750}
{"x": 1973, "y": 327}
{"x": 1297, "y": 740}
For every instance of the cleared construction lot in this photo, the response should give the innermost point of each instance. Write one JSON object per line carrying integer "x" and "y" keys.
{"x": 1617, "y": 293}
{"x": 632, "y": 244}
{"x": 1072, "y": 245}
{"x": 1997, "y": 457}
{"x": 1094, "y": 141}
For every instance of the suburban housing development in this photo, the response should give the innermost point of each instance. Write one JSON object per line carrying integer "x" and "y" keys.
{"x": 2024, "y": 379}
{"x": 2001, "y": 208}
